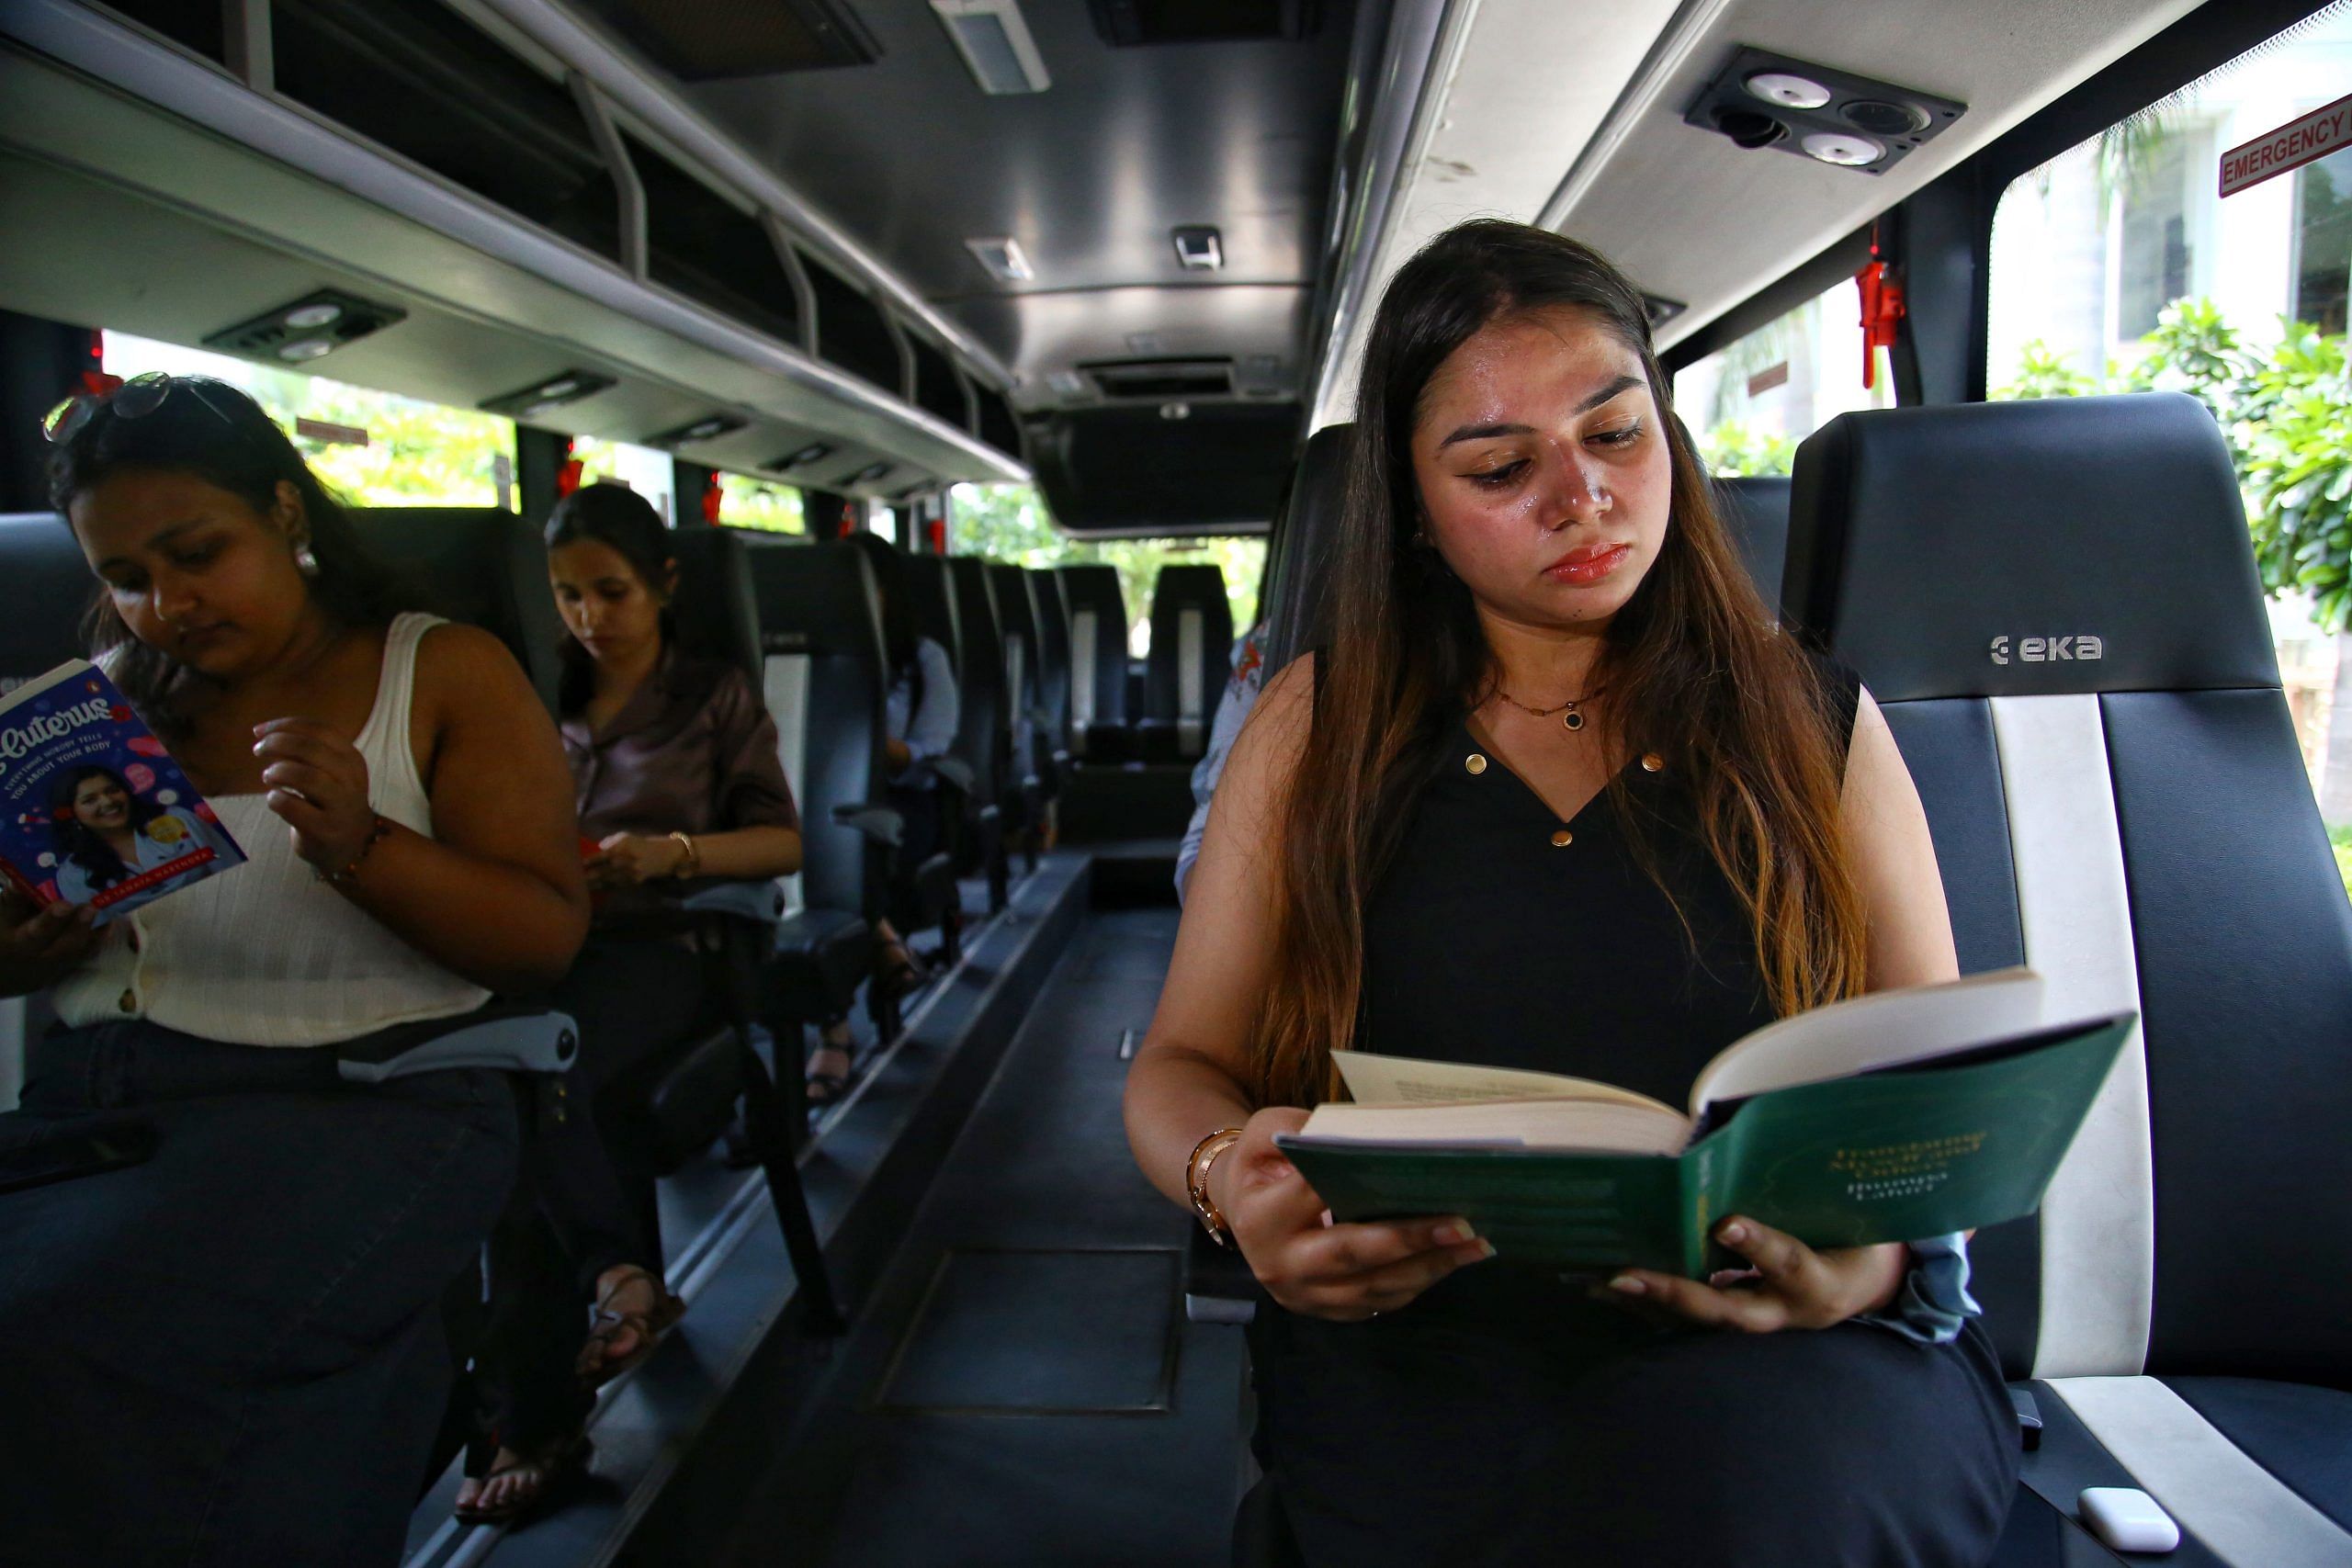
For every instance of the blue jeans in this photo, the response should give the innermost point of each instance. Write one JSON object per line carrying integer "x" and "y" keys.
{"x": 233, "y": 1352}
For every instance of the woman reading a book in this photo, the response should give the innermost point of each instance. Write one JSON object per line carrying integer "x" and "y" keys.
{"x": 1556, "y": 795}
{"x": 242, "y": 1334}
{"x": 678, "y": 785}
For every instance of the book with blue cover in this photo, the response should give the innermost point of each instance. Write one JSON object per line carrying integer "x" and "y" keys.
{"x": 92, "y": 809}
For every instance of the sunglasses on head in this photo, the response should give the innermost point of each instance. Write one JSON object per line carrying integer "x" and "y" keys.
{"x": 135, "y": 398}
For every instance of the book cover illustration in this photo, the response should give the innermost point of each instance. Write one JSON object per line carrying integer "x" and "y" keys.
{"x": 92, "y": 809}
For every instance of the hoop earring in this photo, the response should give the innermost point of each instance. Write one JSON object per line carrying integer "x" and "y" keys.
{"x": 306, "y": 560}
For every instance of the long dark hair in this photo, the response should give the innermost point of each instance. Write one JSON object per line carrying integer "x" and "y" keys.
{"x": 901, "y": 636}
{"x": 1693, "y": 670}
{"x": 213, "y": 431}
{"x": 614, "y": 515}
{"x": 79, "y": 844}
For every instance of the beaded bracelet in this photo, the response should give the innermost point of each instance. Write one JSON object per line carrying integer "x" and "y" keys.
{"x": 376, "y": 835}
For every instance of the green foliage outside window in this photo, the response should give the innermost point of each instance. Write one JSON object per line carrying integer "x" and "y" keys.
{"x": 2286, "y": 413}
{"x": 1008, "y": 522}
{"x": 1730, "y": 450}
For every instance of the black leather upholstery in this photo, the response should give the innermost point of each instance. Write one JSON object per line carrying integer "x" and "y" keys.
{"x": 984, "y": 725}
{"x": 1296, "y": 618}
{"x": 1918, "y": 539}
{"x": 1052, "y": 658}
{"x": 1017, "y": 620}
{"x": 2028, "y": 522}
{"x": 1756, "y": 512}
{"x": 934, "y": 601}
{"x": 49, "y": 590}
{"x": 1180, "y": 591}
{"x": 478, "y": 565}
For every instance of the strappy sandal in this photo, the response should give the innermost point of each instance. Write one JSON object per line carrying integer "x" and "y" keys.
{"x": 606, "y": 1321}
{"x": 543, "y": 1472}
{"x": 822, "y": 1090}
{"x": 901, "y": 975}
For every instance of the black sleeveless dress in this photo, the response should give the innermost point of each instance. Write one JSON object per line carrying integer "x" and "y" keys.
{"x": 1505, "y": 1416}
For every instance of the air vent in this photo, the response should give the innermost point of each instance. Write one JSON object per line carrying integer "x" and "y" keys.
{"x": 1162, "y": 378}
{"x": 1130, "y": 24}
{"x": 867, "y": 475}
{"x": 1831, "y": 117}
{"x": 707, "y": 43}
{"x": 808, "y": 454}
{"x": 307, "y": 329}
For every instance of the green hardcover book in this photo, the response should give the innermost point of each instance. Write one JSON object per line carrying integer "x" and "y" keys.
{"x": 1894, "y": 1116}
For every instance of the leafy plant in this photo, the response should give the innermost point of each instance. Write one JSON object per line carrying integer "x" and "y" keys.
{"x": 2287, "y": 417}
{"x": 1730, "y": 450}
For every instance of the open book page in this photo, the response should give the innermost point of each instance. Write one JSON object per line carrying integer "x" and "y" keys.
{"x": 1884, "y": 1029}
{"x": 1585, "y": 1125}
{"x": 1403, "y": 1081}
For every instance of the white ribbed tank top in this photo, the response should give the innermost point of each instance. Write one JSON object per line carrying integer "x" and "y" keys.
{"x": 267, "y": 954}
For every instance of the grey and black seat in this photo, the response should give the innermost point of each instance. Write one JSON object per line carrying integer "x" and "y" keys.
{"x": 1099, "y": 723}
{"x": 2055, "y": 604}
{"x": 984, "y": 731}
{"x": 1053, "y": 669}
{"x": 972, "y": 832}
{"x": 1191, "y": 645}
{"x": 1030, "y": 747}
{"x": 748, "y": 935}
{"x": 1756, "y": 512}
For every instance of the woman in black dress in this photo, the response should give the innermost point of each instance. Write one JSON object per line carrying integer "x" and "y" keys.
{"x": 1556, "y": 795}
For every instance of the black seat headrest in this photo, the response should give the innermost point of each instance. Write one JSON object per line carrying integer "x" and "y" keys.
{"x": 817, "y": 599}
{"x": 479, "y": 565}
{"x": 934, "y": 604}
{"x": 1093, "y": 586}
{"x": 716, "y": 615}
{"x": 2068, "y": 545}
{"x": 1754, "y": 510}
{"x": 1297, "y": 619}
{"x": 975, "y": 609}
{"x": 50, "y": 593}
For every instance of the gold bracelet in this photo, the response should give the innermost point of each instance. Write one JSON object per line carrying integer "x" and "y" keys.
{"x": 691, "y": 865}
{"x": 1196, "y": 1181}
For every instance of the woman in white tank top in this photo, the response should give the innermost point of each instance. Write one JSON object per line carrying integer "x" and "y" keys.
{"x": 241, "y": 1332}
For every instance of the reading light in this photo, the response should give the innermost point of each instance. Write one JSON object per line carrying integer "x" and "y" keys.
{"x": 710, "y": 427}
{"x": 545, "y": 397}
{"x": 808, "y": 454}
{"x": 868, "y": 474}
{"x": 1175, "y": 411}
{"x": 1067, "y": 383}
{"x": 995, "y": 43}
{"x": 1787, "y": 89}
{"x": 305, "y": 328}
{"x": 1846, "y": 152}
{"x": 1198, "y": 247}
{"x": 1003, "y": 258}
{"x": 1881, "y": 118}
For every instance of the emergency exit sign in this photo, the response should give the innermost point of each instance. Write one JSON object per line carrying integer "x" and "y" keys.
{"x": 2290, "y": 146}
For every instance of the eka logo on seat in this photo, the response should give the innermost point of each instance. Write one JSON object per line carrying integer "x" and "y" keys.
{"x": 2051, "y": 650}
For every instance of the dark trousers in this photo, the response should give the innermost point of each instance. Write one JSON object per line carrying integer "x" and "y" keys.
{"x": 588, "y": 1201}
{"x": 922, "y": 835}
{"x": 232, "y": 1353}
{"x": 1846, "y": 1447}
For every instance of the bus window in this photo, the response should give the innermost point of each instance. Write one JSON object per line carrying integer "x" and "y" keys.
{"x": 2118, "y": 266}
{"x": 1749, "y": 403}
{"x": 652, "y": 473}
{"x": 1008, "y": 522}
{"x": 376, "y": 449}
{"x": 756, "y": 503}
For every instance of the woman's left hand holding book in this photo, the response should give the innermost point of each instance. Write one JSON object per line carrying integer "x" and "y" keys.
{"x": 39, "y": 946}
{"x": 317, "y": 781}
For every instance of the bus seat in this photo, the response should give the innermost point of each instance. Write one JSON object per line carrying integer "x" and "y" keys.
{"x": 1099, "y": 715}
{"x": 50, "y": 594}
{"x": 481, "y": 566}
{"x": 1297, "y": 619}
{"x": 1038, "y": 758}
{"x": 1191, "y": 643}
{"x": 1053, "y": 663}
{"x": 1755, "y": 513}
{"x": 976, "y": 825}
{"x": 2055, "y": 604}
{"x": 984, "y": 722}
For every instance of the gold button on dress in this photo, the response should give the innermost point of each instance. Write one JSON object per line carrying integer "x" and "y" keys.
{"x": 1475, "y": 762}
{"x": 1563, "y": 838}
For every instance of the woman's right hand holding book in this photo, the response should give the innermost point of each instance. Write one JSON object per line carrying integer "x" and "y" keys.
{"x": 41, "y": 947}
{"x": 1310, "y": 1265}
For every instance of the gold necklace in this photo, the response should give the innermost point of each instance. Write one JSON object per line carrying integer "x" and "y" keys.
{"x": 1571, "y": 719}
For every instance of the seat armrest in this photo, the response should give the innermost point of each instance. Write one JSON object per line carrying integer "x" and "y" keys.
{"x": 955, "y": 771}
{"x": 879, "y": 823}
{"x": 508, "y": 1038}
{"x": 761, "y": 901}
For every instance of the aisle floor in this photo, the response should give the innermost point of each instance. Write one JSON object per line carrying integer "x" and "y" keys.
{"x": 1024, "y": 1387}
